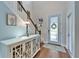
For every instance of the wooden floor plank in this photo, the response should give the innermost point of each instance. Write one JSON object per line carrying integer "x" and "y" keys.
{"x": 47, "y": 53}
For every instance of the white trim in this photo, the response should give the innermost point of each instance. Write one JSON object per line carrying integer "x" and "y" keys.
{"x": 63, "y": 45}
{"x": 70, "y": 53}
{"x": 67, "y": 50}
{"x": 74, "y": 29}
{"x": 35, "y": 53}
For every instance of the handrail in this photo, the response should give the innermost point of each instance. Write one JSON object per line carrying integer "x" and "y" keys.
{"x": 28, "y": 15}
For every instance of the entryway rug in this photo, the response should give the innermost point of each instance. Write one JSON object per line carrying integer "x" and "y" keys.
{"x": 54, "y": 47}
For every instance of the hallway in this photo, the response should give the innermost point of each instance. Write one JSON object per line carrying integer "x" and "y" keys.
{"x": 48, "y": 53}
{"x": 25, "y": 24}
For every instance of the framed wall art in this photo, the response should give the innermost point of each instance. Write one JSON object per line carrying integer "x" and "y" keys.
{"x": 11, "y": 20}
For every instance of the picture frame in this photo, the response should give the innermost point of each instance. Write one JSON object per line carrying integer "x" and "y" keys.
{"x": 11, "y": 20}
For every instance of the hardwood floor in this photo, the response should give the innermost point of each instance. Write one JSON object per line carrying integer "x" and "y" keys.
{"x": 47, "y": 53}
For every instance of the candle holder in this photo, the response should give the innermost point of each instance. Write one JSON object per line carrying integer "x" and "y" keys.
{"x": 27, "y": 24}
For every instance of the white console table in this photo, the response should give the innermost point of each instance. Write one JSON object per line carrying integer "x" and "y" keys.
{"x": 21, "y": 47}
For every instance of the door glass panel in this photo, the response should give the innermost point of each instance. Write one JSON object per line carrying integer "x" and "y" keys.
{"x": 54, "y": 29}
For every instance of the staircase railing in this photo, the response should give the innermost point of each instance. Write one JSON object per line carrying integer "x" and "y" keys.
{"x": 28, "y": 15}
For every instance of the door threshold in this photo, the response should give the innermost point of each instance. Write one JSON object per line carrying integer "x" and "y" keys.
{"x": 54, "y": 44}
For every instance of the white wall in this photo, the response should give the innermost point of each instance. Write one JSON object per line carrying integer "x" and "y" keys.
{"x": 19, "y": 29}
{"x": 44, "y": 10}
{"x": 73, "y": 7}
{"x": 28, "y": 6}
{"x": 77, "y": 29}
{"x": 12, "y": 5}
{"x": 6, "y": 31}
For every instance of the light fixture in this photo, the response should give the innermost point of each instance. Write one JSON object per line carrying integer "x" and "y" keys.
{"x": 27, "y": 22}
{"x": 40, "y": 21}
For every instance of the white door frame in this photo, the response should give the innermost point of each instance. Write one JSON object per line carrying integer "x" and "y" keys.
{"x": 73, "y": 34}
{"x": 67, "y": 24}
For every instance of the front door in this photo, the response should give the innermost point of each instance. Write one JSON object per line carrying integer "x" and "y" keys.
{"x": 53, "y": 30}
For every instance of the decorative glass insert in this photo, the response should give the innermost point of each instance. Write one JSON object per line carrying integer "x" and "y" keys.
{"x": 54, "y": 29}
{"x": 28, "y": 49}
{"x": 17, "y": 51}
{"x": 34, "y": 46}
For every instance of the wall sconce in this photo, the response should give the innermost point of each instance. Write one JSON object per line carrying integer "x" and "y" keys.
{"x": 40, "y": 21}
{"x": 27, "y": 23}
{"x": 40, "y": 24}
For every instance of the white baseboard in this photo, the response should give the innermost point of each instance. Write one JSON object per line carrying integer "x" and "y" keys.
{"x": 70, "y": 54}
{"x": 67, "y": 50}
{"x": 63, "y": 45}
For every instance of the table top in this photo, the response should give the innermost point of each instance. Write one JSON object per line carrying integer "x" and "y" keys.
{"x": 17, "y": 39}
